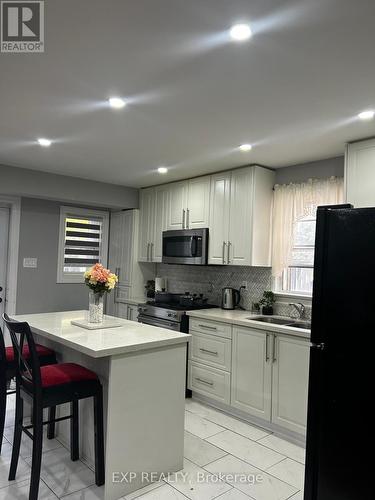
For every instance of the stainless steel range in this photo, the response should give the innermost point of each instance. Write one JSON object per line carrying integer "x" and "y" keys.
{"x": 168, "y": 310}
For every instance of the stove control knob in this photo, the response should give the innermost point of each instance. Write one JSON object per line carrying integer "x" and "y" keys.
{"x": 171, "y": 315}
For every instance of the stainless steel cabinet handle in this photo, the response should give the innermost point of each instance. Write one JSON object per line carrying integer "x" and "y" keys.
{"x": 187, "y": 218}
{"x": 148, "y": 247}
{"x": 208, "y": 327}
{"x": 224, "y": 244}
{"x": 229, "y": 245}
{"x": 151, "y": 248}
{"x": 274, "y": 358}
{"x": 203, "y": 381}
{"x": 267, "y": 353}
{"x": 183, "y": 219}
{"x": 206, "y": 351}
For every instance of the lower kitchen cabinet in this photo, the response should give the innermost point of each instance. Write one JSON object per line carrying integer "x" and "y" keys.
{"x": 266, "y": 376}
{"x": 290, "y": 379}
{"x": 251, "y": 372}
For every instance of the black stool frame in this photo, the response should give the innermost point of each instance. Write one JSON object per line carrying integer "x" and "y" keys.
{"x": 29, "y": 386}
{"x": 7, "y": 373}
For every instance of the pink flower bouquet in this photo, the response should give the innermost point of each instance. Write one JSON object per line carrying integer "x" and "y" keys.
{"x": 100, "y": 280}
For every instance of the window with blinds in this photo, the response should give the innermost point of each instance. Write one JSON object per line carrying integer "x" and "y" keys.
{"x": 83, "y": 242}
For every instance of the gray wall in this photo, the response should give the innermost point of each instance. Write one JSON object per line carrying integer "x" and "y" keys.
{"x": 35, "y": 184}
{"x": 37, "y": 290}
{"x": 321, "y": 168}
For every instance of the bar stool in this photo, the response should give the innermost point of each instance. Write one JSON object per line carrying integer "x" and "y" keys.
{"x": 46, "y": 387}
{"x": 8, "y": 369}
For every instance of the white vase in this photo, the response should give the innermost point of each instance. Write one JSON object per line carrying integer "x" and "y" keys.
{"x": 96, "y": 307}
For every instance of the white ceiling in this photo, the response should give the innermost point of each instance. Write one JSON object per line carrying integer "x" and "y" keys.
{"x": 293, "y": 90}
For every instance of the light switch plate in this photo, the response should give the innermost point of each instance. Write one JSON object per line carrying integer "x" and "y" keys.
{"x": 30, "y": 262}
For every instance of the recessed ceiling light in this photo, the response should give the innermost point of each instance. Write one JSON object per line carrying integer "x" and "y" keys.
{"x": 246, "y": 147}
{"x": 366, "y": 115}
{"x": 240, "y": 32}
{"x": 162, "y": 170}
{"x": 116, "y": 102}
{"x": 44, "y": 142}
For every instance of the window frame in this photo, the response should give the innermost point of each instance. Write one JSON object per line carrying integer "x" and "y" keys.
{"x": 67, "y": 211}
{"x": 279, "y": 282}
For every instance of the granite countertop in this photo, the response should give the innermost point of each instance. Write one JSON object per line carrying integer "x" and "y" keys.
{"x": 130, "y": 336}
{"x": 243, "y": 318}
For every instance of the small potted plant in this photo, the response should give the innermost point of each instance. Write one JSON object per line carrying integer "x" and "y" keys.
{"x": 267, "y": 302}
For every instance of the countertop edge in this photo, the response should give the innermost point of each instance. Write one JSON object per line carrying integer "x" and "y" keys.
{"x": 209, "y": 315}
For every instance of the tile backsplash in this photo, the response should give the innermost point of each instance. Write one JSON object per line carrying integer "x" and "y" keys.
{"x": 209, "y": 280}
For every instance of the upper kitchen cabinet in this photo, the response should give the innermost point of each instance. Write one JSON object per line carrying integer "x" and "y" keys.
{"x": 161, "y": 195}
{"x": 147, "y": 220}
{"x": 240, "y": 213}
{"x": 360, "y": 173}
{"x": 188, "y": 205}
{"x": 120, "y": 238}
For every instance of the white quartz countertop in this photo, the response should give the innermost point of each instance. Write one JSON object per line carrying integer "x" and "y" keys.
{"x": 128, "y": 337}
{"x": 241, "y": 318}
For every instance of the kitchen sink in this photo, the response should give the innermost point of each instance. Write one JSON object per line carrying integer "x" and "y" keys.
{"x": 301, "y": 324}
{"x": 281, "y": 321}
{"x": 275, "y": 321}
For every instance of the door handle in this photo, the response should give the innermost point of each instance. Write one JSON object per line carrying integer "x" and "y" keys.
{"x": 202, "y": 381}
{"x": 228, "y": 245}
{"x": 148, "y": 251}
{"x": 187, "y": 218}
{"x": 206, "y": 351}
{"x": 267, "y": 353}
{"x": 183, "y": 219}
{"x": 151, "y": 245}
{"x": 224, "y": 244}
{"x": 117, "y": 272}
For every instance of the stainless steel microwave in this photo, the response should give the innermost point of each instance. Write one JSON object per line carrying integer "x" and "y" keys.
{"x": 185, "y": 246}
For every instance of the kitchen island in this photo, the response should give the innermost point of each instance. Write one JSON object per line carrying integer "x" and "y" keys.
{"x": 142, "y": 369}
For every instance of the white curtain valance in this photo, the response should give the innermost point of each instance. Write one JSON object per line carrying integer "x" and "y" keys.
{"x": 292, "y": 202}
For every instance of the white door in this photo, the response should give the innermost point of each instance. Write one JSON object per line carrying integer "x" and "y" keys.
{"x": 4, "y": 233}
{"x": 251, "y": 372}
{"x": 177, "y": 205}
{"x": 290, "y": 383}
{"x": 146, "y": 223}
{"x": 240, "y": 221}
{"x": 219, "y": 218}
{"x": 198, "y": 203}
{"x": 160, "y": 221}
{"x": 360, "y": 173}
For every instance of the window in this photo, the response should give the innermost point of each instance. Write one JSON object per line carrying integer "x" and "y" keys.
{"x": 83, "y": 241}
{"x": 298, "y": 276}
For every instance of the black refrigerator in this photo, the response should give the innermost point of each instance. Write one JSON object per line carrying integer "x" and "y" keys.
{"x": 341, "y": 409}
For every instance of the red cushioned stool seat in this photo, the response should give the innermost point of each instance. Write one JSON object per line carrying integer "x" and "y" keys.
{"x": 65, "y": 373}
{"x": 40, "y": 349}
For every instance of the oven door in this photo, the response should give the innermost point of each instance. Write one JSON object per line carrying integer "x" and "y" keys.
{"x": 162, "y": 323}
{"x": 186, "y": 246}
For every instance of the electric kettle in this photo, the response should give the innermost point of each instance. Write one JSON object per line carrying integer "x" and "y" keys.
{"x": 230, "y": 298}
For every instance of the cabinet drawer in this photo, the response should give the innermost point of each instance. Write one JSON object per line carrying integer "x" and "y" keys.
{"x": 213, "y": 351}
{"x": 211, "y": 327}
{"x": 122, "y": 293}
{"x": 209, "y": 382}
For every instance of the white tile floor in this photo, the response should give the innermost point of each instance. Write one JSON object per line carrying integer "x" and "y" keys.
{"x": 267, "y": 467}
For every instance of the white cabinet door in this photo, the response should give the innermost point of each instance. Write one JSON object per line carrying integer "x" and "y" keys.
{"x": 290, "y": 383}
{"x": 132, "y": 313}
{"x": 160, "y": 222}
{"x": 198, "y": 203}
{"x": 177, "y": 205}
{"x": 251, "y": 372}
{"x": 219, "y": 218}
{"x": 360, "y": 173}
{"x": 120, "y": 246}
{"x": 146, "y": 223}
{"x": 240, "y": 220}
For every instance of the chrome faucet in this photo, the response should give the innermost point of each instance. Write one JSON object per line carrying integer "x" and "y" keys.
{"x": 300, "y": 309}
